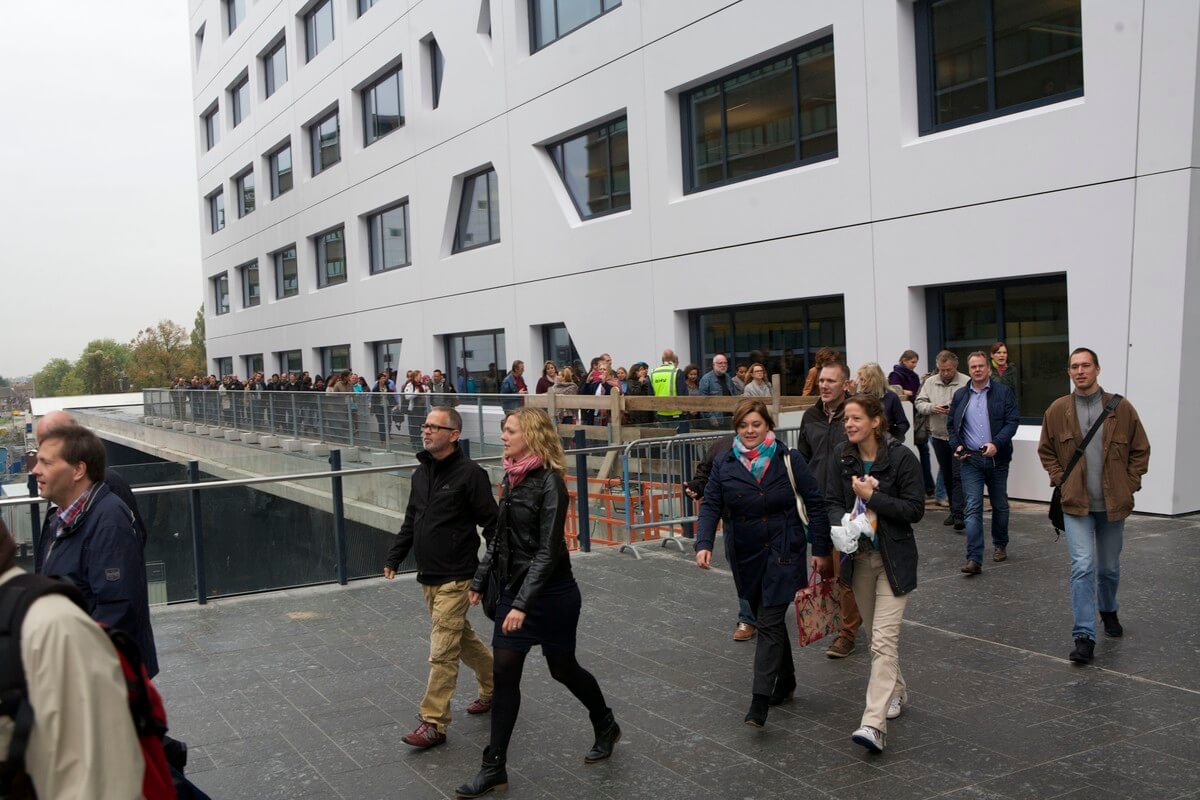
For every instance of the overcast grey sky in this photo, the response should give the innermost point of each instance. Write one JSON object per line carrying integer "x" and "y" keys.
{"x": 98, "y": 178}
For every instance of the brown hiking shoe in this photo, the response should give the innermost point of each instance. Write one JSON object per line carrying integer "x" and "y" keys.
{"x": 842, "y": 646}
{"x": 1000, "y": 554}
{"x": 744, "y": 632}
{"x": 480, "y": 706}
{"x": 425, "y": 736}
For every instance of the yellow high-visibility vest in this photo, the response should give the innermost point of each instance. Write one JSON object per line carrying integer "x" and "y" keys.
{"x": 662, "y": 380}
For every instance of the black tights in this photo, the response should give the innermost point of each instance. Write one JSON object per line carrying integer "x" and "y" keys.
{"x": 506, "y": 702}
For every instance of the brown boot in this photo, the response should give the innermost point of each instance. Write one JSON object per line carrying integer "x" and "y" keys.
{"x": 744, "y": 632}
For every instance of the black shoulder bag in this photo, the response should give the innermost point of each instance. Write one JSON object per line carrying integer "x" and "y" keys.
{"x": 1056, "y": 509}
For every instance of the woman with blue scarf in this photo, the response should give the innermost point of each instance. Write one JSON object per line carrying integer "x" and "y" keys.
{"x": 750, "y": 490}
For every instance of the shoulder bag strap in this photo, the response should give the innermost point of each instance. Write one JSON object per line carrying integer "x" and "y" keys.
{"x": 1109, "y": 408}
{"x": 800, "y": 508}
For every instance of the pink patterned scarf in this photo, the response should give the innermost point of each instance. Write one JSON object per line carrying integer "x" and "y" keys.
{"x": 516, "y": 470}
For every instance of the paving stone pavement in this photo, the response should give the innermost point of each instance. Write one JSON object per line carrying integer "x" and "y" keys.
{"x": 305, "y": 694}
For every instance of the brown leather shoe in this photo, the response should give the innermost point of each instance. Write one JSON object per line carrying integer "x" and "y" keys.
{"x": 1000, "y": 554}
{"x": 842, "y": 646}
{"x": 971, "y": 568}
{"x": 425, "y": 736}
{"x": 480, "y": 706}
{"x": 744, "y": 632}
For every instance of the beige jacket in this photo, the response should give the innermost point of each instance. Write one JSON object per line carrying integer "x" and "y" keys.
{"x": 83, "y": 744}
{"x": 936, "y": 393}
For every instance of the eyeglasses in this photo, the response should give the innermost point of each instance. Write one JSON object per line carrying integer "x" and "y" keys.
{"x": 431, "y": 428}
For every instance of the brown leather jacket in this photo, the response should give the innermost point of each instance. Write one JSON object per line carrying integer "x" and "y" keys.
{"x": 1126, "y": 456}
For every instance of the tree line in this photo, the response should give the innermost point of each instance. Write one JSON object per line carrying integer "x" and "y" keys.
{"x": 155, "y": 357}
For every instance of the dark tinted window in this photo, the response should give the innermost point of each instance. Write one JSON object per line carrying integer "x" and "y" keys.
{"x": 331, "y": 258}
{"x": 326, "y": 146}
{"x": 389, "y": 238}
{"x": 383, "y": 106}
{"x": 318, "y": 29}
{"x": 595, "y": 168}
{"x": 552, "y": 19}
{"x": 287, "y": 277}
{"x": 245, "y": 191}
{"x": 251, "y": 294}
{"x": 275, "y": 68}
{"x": 478, "y": 212}
{"x": 281, "y": 171}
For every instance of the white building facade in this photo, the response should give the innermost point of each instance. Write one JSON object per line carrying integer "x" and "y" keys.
{"x": 454, "y": 184}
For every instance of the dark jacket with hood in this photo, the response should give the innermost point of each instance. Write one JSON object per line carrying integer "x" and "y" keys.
{"x": 101, "y": 553}
{"x": 820, "y": 442}
{"x": 447, "y": 503}
{"x": 905, "y": 378}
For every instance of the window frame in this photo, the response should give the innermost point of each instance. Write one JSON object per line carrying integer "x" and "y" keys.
{"x": 232, "y": 24}
{"x": 926, "y": 91}
{"x": 376, "y": 353}
{"x": 213, "y": 199}
{"x": 239, "y": 184}
{"x": 367, "y": 96}
{"x": 689, "y": 149}
{"x": 547, "y": 344}
{"x": 458, "y": 247}
{"x": 273, "y": 169}
{"x": 248, "y": 300}
{"x": 501, "y": 361}
{"x": 219, "y": 309}
{"x": 211, "y": 118}
{"x": 224, "y": 361}
{"x": 310, "y": 29}
{"x": 237, "y": 114}
{"x": 561, "y": 168}
{"x": 284, "y": 370}
{"x": 366, "y": 5}
{"x": 327, "y": 358}
{"x": 534, "y": 47}
{"x": 277, "y": 261}
{"x": 371, "y": 243}
{"x": 315, "y": 147}
{"x": 271, "y": 82}
{"x": 322, "y": 260}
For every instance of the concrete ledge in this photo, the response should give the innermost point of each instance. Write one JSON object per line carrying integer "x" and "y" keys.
{"x": 203, "y": 430}
{"x": 233, "y": 435}
{"x": 269, "y": 441}
{"x": 292, "y": 445}
{"x": 250, "y": 438}
{"x": 350, "y": 454}
{"x": 315, "y": 448}
{"x": 189, "y": 427}
{"x": 381, "y": 459}
{"x": 177, "y": 426}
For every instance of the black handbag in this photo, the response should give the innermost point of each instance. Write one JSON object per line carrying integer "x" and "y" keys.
{"x": 491, "y": 595}
{"x": 1056, "y": 509}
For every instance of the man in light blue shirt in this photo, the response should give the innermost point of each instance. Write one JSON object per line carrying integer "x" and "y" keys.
{"x": 982, "y": 421}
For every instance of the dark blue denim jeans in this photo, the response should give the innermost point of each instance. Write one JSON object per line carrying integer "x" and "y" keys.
{"x": 977, "y": 472}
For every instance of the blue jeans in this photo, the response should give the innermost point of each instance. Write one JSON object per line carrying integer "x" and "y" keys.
{"x": 976, "y": 472}
{"x": 1095, "y": 545}
{"x": 926, "y": 467}
{"x": 939, "y": 487}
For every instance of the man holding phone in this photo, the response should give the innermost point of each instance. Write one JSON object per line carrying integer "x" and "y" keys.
{"x": 934, "y": 402}
{"x": 982, "y": 421}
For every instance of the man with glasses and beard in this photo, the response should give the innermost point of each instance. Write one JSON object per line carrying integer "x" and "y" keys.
{"x": 450, "y": 499}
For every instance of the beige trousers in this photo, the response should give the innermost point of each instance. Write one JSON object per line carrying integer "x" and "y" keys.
{"x": 451, "y": 639}
{"x": 882, "y": 613}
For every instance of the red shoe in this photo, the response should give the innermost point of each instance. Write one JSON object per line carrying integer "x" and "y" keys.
{"x": 480, "y": 706}
{"x": 425, "y": 736}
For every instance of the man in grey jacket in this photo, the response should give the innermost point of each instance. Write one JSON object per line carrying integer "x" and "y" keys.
{"x": 934, "y": 402}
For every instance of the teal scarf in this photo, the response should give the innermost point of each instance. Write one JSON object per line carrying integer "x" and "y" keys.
{"x": 756, "y": 459}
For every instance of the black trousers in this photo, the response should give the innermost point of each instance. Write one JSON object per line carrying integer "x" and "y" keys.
{"x": 949, "y": 467}
{"x": 773, "y": 653}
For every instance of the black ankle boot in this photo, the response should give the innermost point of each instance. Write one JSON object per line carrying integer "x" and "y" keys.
{"x": 756, "y": 717}
{"x": 492, "y": 775}
{"x": 608, "y": 733}
{"x": 1085, "y": 649}
{"x": 785, "y": 688}
{"x": 1112, "y": 625}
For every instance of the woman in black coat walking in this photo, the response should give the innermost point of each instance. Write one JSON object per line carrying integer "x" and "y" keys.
{"x": 750, "y": 488}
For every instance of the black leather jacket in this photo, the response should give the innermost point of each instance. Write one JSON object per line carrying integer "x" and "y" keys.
{"x": 529, "y": 549}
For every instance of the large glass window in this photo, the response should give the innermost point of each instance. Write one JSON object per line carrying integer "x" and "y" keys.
{"x": 478, "y": 212}
{"x": 326, "y": 150}
{"x": 318, "y": 29}
{"x": 331, "y": 258}
{"x": 235, "y": 12}
{"x": 281, "y": 170}
{"x": 287, "y": 276}
{"x": 224, "y": 366}
{"x": 275, "y": 68}
{"x": 978, "y": 59}
{"x": 477, "y": 360}
{"x": 784, "y": 337}
{"x": 212, "y": 127}
{"x": 221, "y": 293}
{"x": 253, "y": 364}
{"x": 239, "y": 100}
{"x": 291, "y": 361}
{"x": 776, "y": 115}
{"x": 245, "y": 193}
{"x": 216, "y": 210}
{"x": 1029, "y": 315}
{"x": 595, "y": 167}
{"x": 388, "y": 235}
{"x": 335, "y": 358}
{"x": 251, "y": 290}
{"x": 558, "y": 346}
{"x": 383, "y": 106}
{"x": 387, "y": 355}
{"x": 550, "y": 20}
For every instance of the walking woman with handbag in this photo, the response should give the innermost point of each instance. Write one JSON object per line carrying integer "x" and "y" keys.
{"x": 881, "y": 482}
{"x": 527, "y": 575}
{"x": 751, "y": 489}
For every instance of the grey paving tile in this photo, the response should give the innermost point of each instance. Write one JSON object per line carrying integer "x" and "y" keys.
{"x": 272, "y": 779}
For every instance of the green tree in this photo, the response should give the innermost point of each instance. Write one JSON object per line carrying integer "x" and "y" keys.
{"x": 199, "y": 350}
{"x": 4, "y": 381}
{"x": 160, "y": 354}
{"x": 48, "y": 380}
{"x": 101, "y": 367}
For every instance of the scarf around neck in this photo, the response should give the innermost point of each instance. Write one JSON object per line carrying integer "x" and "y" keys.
{"x": 516, "y": 469}
{"x": 756, "y": 459}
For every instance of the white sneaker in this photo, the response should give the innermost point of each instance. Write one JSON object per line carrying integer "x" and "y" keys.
{"x": 869, "y": 738}
{"x": 895, "y": 706}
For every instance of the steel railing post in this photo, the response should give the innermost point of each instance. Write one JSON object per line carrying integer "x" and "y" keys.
{"x": 685, "y": 473}
{"x": 35, "y": 522}
{"x": 321, "y": 418}
{"x": 582, "y": 502}
{"x": 193, "y": 475}
{"x": 482, "y": 434}
{"x": 295, "y": 418}
{"x": 339, "y": 514}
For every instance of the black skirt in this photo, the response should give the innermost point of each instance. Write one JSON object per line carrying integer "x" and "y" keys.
{"x": 550, "y": 621}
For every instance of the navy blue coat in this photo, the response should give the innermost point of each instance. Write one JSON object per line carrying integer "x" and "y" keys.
{"x": 1002, "y": 416}
{"x": 768, "y": 546}
{"x": 101, "y": 553}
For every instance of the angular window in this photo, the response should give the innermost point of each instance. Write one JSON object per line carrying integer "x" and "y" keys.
{"x": 251, "y": 294}
{"x": 776, "y": 115}
{"x": 216, "y": 210}
{"x": 383, "y": 106}
{"x": 221, "y": 293}
{"x": 212, "y": 127}
{"x": 388, "y": 231}
{"x": 365, "y": 5}
{"x": 978, "y": 59}
{"x": 478, "y": 211}
{"x": 437, "y": 67}
{"x": 331, "y": 258}
{"x": 245, "y": 192}
{"x": 275, "y": 68}
{"x": 594, "y": 165}
{"x": 239, "y": 100}
{"x": 287, "y": 276}
{"x": 281, "y": 170}
{"x": 291, "y": 361}
{"x": 235, "y": 12}
{"x": 550, "y": 20}
{"x": 318, "y": 29}
{"x": 336, "y": 358}
{"x": 326, "y": 149}
{"x": 558, "y": 346}
{"x": 199, "y": 42}
{"x": 478, "y": 360}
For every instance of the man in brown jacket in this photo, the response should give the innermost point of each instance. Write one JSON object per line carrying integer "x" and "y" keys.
{"x": 1098, "y": 494}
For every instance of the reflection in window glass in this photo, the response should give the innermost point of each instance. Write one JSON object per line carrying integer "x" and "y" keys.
{"x": 239, "y": 98}
{"x": 251, "y": 295}
{"x": 253, "y": 364}
{"x": 387, "y": 356}
{"x": 553, "y": 19}
{"x": 275, "y": 67}
{"x": 389, "y": 238}
{"x": 224, "y": 366}
{"x": 212, "y": 128}
{"x": 235, "y": 12}
{"x": 245, "y": 191}
{"x": 216, "y": 210}
{"x": 477, "y": 361}
{"x": 336, "y": 358}
{"x": 383, "y": 106}
{"x": 281, "y": 171}
{"x": 287, "y": 276}
{"x": 291, "y": 361}
{"x": 479, "y": 212}
{"x": 318, "y": 29}
{"x": 559, "y": 347}
{"x": 595, "y": 168}
{"x": 326, "y": 148}
{"x": 331, "y": 258}
{"x": 221, "y": 293}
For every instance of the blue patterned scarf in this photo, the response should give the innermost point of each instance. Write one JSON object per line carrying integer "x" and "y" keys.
{"x": 756, "y": 459}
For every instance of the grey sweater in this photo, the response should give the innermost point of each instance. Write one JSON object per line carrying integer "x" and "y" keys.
{"x": 1087, "y": 409}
